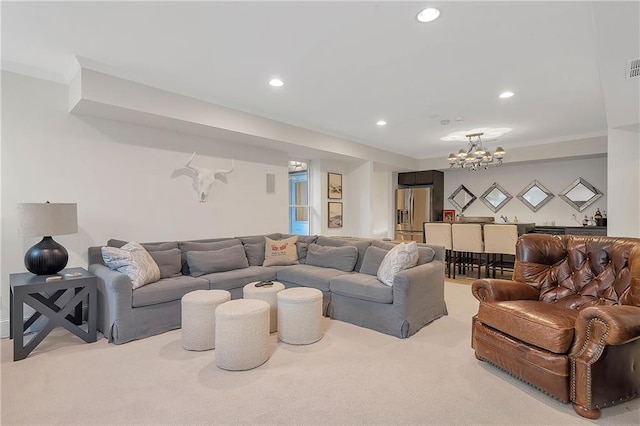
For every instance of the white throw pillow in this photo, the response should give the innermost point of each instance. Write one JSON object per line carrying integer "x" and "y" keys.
{"x": 280, "y": 252}
{"x": 133, "y": 261}
{"x": 402, "y": 256}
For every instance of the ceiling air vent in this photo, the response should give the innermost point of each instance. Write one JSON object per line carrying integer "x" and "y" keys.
{"x": 633, "y": 68}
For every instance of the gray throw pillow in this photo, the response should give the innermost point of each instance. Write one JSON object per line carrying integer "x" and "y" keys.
{"x": 426, "y": 255}
{"x": 187, "y": 246}
{"x": 254, "y": 247}
{"x": 169, "y": 262}
{"x": 372, "y": 260}
{"x": 255, "y": 253}
{"x": 225, "y": 259}
{"x": 342, "y": 258}
{"x": 360, "y": 244}
{"x": 302, "y": 249}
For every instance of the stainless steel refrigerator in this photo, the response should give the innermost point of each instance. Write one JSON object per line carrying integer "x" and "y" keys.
{"x": 413, "y": 207}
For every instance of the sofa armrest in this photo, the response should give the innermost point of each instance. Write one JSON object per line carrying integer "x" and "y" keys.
{"x": 492, "y": 290}
{"x": 115, "y": 295}
{"x": 420, "y": 290}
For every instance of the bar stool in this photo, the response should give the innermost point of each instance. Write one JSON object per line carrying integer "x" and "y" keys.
{"x": 466, "y": 238}
{"x": 439, "y": 233}
{"x": 499, "y": 239}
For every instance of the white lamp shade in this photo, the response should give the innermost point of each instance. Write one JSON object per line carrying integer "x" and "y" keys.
{"x": 47, "y": 219}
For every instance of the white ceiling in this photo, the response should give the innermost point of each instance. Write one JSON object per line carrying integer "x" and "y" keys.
{"x": 345, "y": 64}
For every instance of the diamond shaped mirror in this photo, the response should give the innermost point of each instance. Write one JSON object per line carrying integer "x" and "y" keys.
{"x": 535, "y": 195}
{"x": 495, "y": 197}
{"x": 580, "y": 194}
{"x": 461, "y": 198}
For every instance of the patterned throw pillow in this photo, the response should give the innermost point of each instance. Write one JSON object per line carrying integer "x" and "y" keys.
{"x": 280, "y": 252}
{"x": 402, "y": 256}
{"x": 133, "y": 261}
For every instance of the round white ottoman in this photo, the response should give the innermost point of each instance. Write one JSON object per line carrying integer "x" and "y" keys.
{"x": 269, "y": 294}
{"x": 199, "y": 316}
{"x": 300, "y": 315}
{"x": 242, "y": 334}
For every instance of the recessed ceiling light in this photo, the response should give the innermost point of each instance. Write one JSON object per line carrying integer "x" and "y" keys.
{"x": 276, "y": 82}
{"x": 381, "y": 123}
{"x": 428, "y": 15}
{"x": 505, "y": 95}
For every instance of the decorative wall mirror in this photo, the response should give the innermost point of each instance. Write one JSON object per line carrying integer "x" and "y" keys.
{"x": 580, "y": 194}
{"x": 462, "y": 198}
{"x": 535, "y": 195}
{"x": 495, "y": 197}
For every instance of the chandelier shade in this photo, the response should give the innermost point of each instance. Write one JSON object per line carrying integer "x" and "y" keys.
{"x": 476, "y": 157}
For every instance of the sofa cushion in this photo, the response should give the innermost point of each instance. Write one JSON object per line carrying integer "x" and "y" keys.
{"x": 187, "y": 246}
{"x": 116, "y": 243}
{"x": 239, "y": 277}
{"x": 167, "y": 290}
{"x": 308, "y": 276}
{"x": 362, "y": 286}
{"x": 221, "y": 260}
{"x": 134, "y": 261}
{"x": 254, "y": 247}
{"x": 160, "y": 246}
{"x": 545, "y": 325}
{"x": 386, "y": 245}
{"x": 280, "y": 252}
{"x": 342, "y": 258}
{"x": 169, "y": 262}
{"x": 403, "y": 256}
{"x": 372, "y": 259}
{"x": 360, "y": 244}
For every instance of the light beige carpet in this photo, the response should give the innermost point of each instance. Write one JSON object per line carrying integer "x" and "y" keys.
{"x": 352, "y": 376}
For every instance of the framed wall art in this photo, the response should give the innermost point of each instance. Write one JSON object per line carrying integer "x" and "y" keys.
{"x": 449, "y": 216}
{"x": 334, "y": 186}
{"x": 335, "y": 215}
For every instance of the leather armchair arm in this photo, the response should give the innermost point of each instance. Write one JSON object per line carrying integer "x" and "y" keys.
{"x": 596, "y": 328}
{"x": 492, "y": 290}
{"x": 611, "y": 325}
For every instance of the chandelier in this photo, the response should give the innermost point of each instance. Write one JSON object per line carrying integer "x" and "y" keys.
{"x": 476, "y": 157}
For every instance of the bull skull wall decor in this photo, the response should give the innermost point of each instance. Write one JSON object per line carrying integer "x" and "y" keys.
{"x": 204, "y": 178}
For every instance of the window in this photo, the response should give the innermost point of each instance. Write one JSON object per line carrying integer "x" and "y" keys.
{"x": 298, "y": 198}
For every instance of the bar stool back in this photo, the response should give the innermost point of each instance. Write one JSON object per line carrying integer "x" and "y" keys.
{"x": 499, "y": 239}
{"x": 439, "y": 233}
{"x": 466, "y": 241}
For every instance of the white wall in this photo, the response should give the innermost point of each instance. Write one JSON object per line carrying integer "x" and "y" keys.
{"x": 624, "y": 183}
{"x": 359, "y": 216}
{"x": 555, "y": 176}
{"x": 120, "y": 175}
{"x": 382, "y": 204}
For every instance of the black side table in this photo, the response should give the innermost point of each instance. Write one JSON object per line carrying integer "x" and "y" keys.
{"x": 34, "y": 291}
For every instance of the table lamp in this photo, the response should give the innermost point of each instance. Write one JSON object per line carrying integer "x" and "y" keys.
{"x": 44, "y": 220}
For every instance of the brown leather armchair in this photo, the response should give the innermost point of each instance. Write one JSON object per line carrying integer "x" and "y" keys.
{"x": 568, "y": 323}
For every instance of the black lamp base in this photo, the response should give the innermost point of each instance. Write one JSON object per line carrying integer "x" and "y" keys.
{"x": 46, "y": 258}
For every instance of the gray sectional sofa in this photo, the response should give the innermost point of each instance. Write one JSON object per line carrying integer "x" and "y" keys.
{"x": 347, "y": 279}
